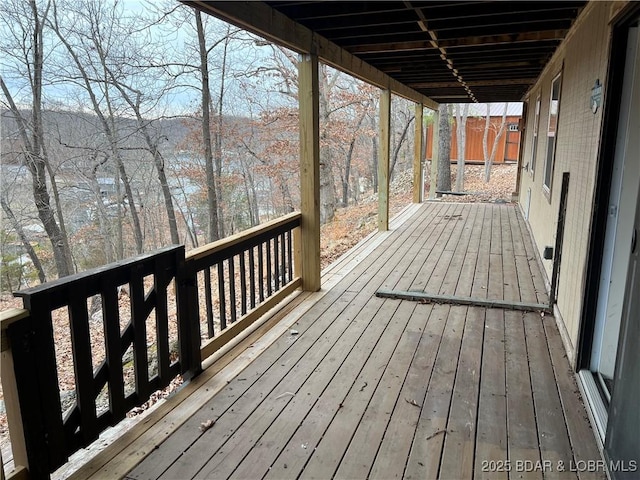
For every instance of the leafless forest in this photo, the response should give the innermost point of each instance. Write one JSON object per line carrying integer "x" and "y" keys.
{"x": 124, "y": 130}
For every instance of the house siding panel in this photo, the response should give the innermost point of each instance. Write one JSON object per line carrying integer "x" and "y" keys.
{"x": 582, "y": 58}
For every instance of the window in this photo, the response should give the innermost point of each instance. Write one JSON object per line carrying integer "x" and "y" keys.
{"x": 534, "y": 147}
{"x": 554, "y": 108}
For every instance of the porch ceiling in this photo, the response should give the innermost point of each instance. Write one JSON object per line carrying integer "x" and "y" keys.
{"x": 448, "y": 51}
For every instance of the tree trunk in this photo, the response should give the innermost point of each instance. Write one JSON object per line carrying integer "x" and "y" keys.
{"x": 444, "y": 150}
{"x": 489, "y": 157}
{"x": 461, "y": 134}
{"x": 396, "y": 151}
{"x": 374, "y": 154}
{"x": 218, "y": 132}
{"x": 327, "y": 184}
{"x": 25, "y": 241}
{"x": 212, "y": 196}
{"x": 35, "y": 156}
{"x": 349, "y": 159}
{"x": 158, "y": 159}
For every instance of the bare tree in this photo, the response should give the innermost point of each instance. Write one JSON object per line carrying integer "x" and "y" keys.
{"x": 23, "y": 239}
{"x": 28, "y": 20}
{"x": 212, "y": 195}
{"x": 489, "y": 157}
{"x": 444, "y": 149}
{"x": 91, "y": 83}
{"x": 461, "y": 137}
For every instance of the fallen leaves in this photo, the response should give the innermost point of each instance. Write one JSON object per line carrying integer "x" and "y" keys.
{"x": 206, "y": 425}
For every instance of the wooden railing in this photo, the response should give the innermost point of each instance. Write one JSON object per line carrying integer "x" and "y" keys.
{"x": 196, "y": 303}
{"x": 234, "y": 281}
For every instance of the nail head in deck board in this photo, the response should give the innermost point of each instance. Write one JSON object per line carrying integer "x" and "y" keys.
{"x": 261, "y": 376}
{"x": 460, "y": 439}
{"x": 394, "y": 438}
{"x": 284, "y": 414}
{"x": 429, "y": 252}
{"x": 554, "y": 444}
{"x": 426, "y": 451}
{"x": 456, "y": 273}
{"x": 491, "y": 429}
{"x": 470, "y": 301}
{"x": 521, "y": 419}
{"x": 575, "y": 414}
{"x": 294, "y": 375}
{"x": 138, "y": 442}
{"x": 331, "y": 438}
{"x": 468, "y": 267}
{"x": 420, "y": 252}
{"x": 481, "y": 277}
{"x": 371, "y": 269}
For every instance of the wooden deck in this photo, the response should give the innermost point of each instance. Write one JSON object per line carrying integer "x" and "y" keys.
{"x": 365, "y": 387}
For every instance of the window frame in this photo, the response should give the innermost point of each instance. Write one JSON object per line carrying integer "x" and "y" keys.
{"x": 552, "y": 136}
{"x": 536, "y": 128}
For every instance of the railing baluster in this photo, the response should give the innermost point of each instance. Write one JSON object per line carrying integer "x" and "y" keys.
{"x": 290, "y": 255}
{"x": 113, "y": 354}
{"x": 221, "y": 299}
{"x": 252, "y": 278}
{"x": 83, "y": 364}
{"x": 232, "y": 288}
{"x": 269, "y": 268}
{"x": 276, "y": 263}
{"x": 283, "y": 260}
{"x": 138, "y": 320}
{"x": 243, "y": 284}
{"x": 161, "y": 282}
{"x": 208, "y": 302}
{"x": 261, "y": 272}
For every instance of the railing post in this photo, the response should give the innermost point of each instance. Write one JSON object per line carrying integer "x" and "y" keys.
{"x": 188, "y": 321}
{"x": 309, "y": 108}
{"x": 418, "y": 152}
{"x": 10, "y": 388}
{"x": 383, "y": 160}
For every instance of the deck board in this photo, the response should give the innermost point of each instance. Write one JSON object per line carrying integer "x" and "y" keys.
{"x": 382, "y": 388}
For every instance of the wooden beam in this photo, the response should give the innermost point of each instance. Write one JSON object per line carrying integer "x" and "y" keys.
{"x": 459, "y": 42}
{"x": 418, "y": 153}
{"x": 309, "y": 113}
{"x": 434, "y": 155}
{"x": 383, "y": 160}
{"x": 455, "y": 300}
{"x": 259, "y": 18}
{"x": 475, "y": 83}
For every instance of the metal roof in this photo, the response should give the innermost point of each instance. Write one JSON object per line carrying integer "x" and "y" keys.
{"x": 449, "y": 51}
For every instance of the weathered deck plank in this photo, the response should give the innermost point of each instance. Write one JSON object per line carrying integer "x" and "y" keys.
{"x": 373, "y": 388}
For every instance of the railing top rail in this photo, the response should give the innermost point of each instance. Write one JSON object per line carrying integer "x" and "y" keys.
{"x": 244, "y": 236}
{"x": 109, "y": 269}
{"x": 7, "y": 317}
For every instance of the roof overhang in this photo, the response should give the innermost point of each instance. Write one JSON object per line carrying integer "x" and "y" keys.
{"x": 429, "y": 52}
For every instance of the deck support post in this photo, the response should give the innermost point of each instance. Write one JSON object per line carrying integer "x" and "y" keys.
{"x": 309, "y": 114}
{"x": 435, "y": 141}
{"x": 383, "y": 160}
{"x": 418, "y": 152}
{"x": 10, "y": 390}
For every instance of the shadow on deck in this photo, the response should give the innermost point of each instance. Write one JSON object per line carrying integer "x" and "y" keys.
{"x": 348, "y": 385}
